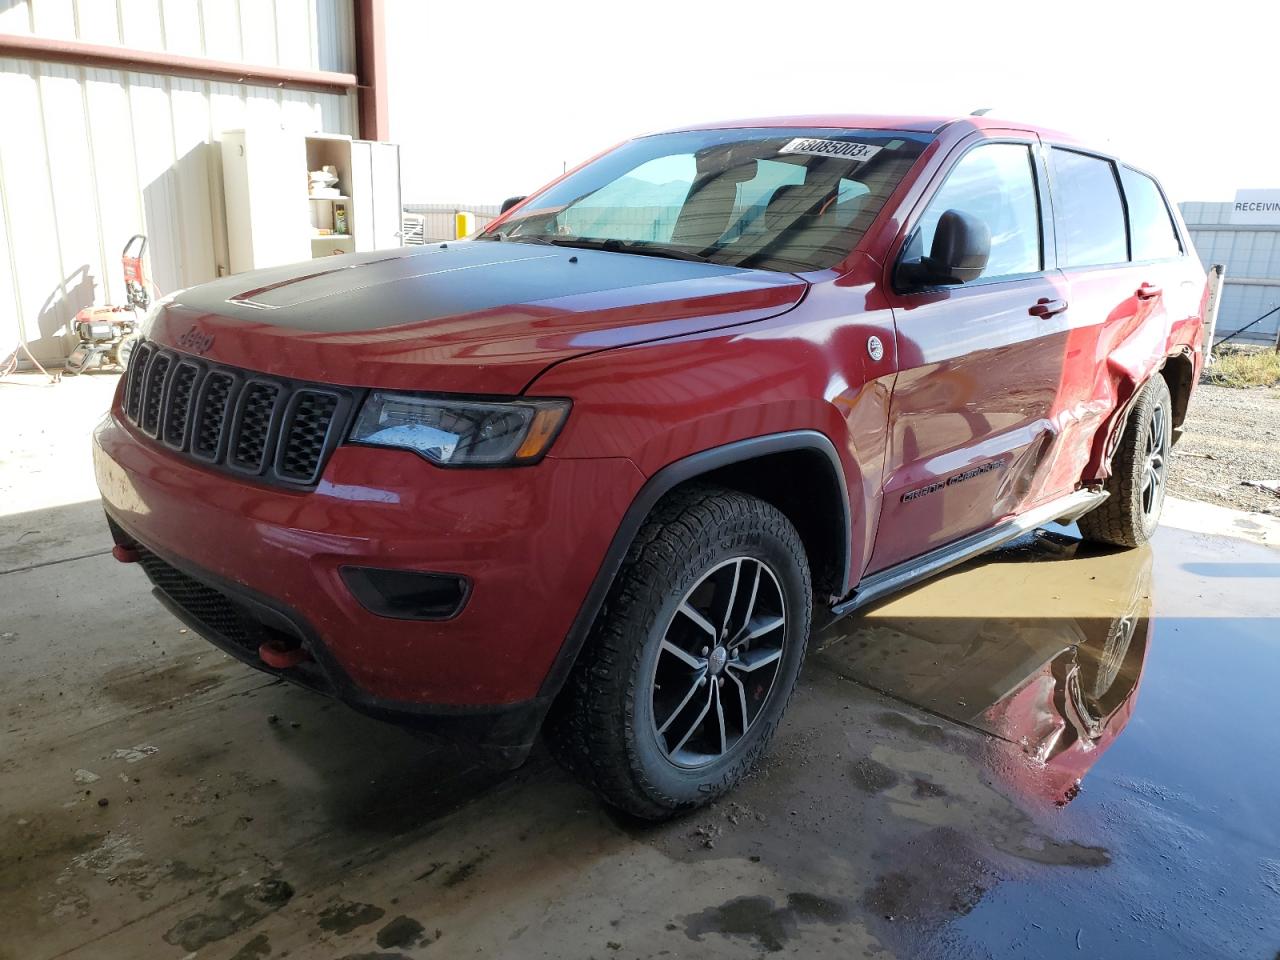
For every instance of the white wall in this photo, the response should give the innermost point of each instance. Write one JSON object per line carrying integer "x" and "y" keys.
{"x": 89, "y": 157}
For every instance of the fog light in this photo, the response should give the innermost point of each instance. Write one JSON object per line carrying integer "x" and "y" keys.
{"x": 407, "y": 594}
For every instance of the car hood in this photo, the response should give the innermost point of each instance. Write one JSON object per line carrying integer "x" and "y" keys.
{"x": 473, "y": 317}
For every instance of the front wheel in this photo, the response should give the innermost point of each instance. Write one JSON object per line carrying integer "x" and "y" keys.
{"x": 1139, "y": 472}
{"x": 693, "y": 656}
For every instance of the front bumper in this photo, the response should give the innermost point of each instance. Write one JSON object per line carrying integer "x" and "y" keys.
{"x": 530, "y": 541}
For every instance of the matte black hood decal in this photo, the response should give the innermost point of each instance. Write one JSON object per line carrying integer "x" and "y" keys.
{"x": 383, "y": 290}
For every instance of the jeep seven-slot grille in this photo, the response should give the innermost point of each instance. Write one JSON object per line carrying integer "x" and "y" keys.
{"x": 279, "y": 430}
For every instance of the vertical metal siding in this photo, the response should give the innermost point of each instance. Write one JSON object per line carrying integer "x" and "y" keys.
{"x": 1252, "y": 257}
{"x": 89, "y": 157}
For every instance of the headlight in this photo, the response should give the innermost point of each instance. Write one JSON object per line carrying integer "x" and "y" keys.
{"x": 456, "y": 432}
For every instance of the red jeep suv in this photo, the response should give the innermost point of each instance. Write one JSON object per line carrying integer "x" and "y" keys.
{"x": 600, "y": 468}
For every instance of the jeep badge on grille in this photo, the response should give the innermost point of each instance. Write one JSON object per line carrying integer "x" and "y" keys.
{"x": 196, "y": 340}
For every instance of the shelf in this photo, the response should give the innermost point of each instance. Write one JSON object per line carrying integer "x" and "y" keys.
{"x": 333, "y": 238}
{"x": 331, "y": 199}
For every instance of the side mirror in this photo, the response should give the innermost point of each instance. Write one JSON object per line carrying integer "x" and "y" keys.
{"x": 508, "y": 203}
{"x": 961, "y": 248}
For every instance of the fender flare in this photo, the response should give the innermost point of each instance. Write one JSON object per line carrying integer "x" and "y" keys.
{"x": 657, "y": 486}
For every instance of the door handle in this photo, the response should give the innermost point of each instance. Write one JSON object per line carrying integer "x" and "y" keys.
{"x": 1045, "y": 307}
{"x": 1147, "y": 292}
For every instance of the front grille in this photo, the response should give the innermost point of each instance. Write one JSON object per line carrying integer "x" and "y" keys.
{"x": 153, "y": 395}
{"x": 210, "y": 607}
{"x": 181, "y": 389}
{"x": 253, "y": 425}
{"x": 134, "y": 380}
{"x": 211, "y": 415}
{"x": 303, "y": 446}
{"x": 278, "y": 430}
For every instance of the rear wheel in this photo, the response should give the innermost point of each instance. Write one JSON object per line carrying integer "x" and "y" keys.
{"x": 1139, "y": 473}
{"x": 693, "y": 657}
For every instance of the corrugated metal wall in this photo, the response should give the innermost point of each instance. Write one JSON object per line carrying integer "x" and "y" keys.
{"x": 1252, "y": 256}
{"x": 439, "y": 218}
{"x": 89, "y": 157}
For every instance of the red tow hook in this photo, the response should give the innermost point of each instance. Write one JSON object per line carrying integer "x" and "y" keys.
{"x": 124, "y": 554}
{"x": 275, "y": 654}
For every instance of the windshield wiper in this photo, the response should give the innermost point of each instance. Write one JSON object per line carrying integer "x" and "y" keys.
{"x": 516, "y": 237}
{"x": 608, "y": 244}
{"x": 614, "y": 245}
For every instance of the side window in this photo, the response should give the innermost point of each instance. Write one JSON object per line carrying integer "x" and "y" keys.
{"x": 1150, "y": 223}
{"x": 1087, "y": 210}
{"x": 996, "y": 184}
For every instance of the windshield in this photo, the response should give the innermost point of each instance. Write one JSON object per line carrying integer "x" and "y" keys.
{"x": 772, "y": 198}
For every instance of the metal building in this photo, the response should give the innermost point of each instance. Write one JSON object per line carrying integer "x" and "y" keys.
{"x": 1247, "y": 241}
{"x": 110, "y": 112}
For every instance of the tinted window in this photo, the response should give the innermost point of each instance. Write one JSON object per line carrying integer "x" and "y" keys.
{"x": 995, "y": 184}
{"x": 1087, "y": 210}
{"x": 1150, "y": 224}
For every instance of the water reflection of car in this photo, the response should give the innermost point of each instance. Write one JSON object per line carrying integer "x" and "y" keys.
{"x": 1049, "y": 662}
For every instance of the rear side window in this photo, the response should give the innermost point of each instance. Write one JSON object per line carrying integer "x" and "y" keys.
{"x": 1087, "y": 210}
{"x": 1150, "y": 223}
{"x": 994, "y": 183}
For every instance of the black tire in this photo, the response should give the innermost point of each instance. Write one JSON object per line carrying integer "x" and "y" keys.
{"x": 1130, "y": 515}
{"x": 604, "y": 726}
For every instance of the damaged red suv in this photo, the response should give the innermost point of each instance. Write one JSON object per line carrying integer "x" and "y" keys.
{"x": 601, "y": 468}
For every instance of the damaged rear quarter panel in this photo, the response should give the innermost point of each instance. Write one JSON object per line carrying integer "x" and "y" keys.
{"x": 1133, "y": 341}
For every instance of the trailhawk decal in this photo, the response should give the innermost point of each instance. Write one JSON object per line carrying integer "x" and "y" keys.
{"x": 844, "y": 149}
{"x": 952, "y": 480}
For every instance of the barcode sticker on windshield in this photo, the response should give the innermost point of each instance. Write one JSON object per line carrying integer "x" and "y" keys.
{"x": 844, "y": 149}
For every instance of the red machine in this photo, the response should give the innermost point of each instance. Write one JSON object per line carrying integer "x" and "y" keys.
{"x": 107, "y": 333}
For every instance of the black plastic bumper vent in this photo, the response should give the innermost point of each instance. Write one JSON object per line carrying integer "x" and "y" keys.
{"x": 408, "y": 594}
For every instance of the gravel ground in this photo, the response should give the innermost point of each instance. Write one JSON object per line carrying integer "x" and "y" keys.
{"x": 1230, "y": 436}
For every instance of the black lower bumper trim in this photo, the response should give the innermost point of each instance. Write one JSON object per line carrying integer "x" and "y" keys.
{"x": 238, "y": 621}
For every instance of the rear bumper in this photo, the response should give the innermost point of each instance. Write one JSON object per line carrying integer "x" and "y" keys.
{"x": 529, "y": 541}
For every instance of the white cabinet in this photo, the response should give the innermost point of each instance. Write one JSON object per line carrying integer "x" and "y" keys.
{"x": 273, "y": 217}
{"x": 384, "y": 199}
{"x": 264, "y": 181}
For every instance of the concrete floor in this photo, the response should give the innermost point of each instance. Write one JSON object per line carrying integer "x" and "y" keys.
{"x": 158, "y": 799}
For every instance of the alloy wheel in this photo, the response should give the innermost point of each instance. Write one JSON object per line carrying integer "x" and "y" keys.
{"x": 1155, "y": 463}
{"x": 719, "y": 657}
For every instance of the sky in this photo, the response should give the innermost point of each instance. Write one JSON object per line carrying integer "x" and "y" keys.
{"x": 490, "y": 99}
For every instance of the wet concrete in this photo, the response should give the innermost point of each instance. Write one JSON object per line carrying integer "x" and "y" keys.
{"x": 1052, "y": 752}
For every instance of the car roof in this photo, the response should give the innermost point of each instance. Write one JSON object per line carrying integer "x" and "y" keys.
{"x": 868, "y": 121}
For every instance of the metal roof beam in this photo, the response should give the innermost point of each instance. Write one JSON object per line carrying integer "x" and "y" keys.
{"x": 78, "y": 53}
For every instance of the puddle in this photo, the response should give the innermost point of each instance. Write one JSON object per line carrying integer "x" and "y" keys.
{"x": 1128, "y": 697}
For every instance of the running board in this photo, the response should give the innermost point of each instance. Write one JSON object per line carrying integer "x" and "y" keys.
{"x": 905, "y": 574}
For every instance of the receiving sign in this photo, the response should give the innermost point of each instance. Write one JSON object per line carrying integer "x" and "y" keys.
{"x": 843, "y": 149}
{"x": 1256, "y": 207}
